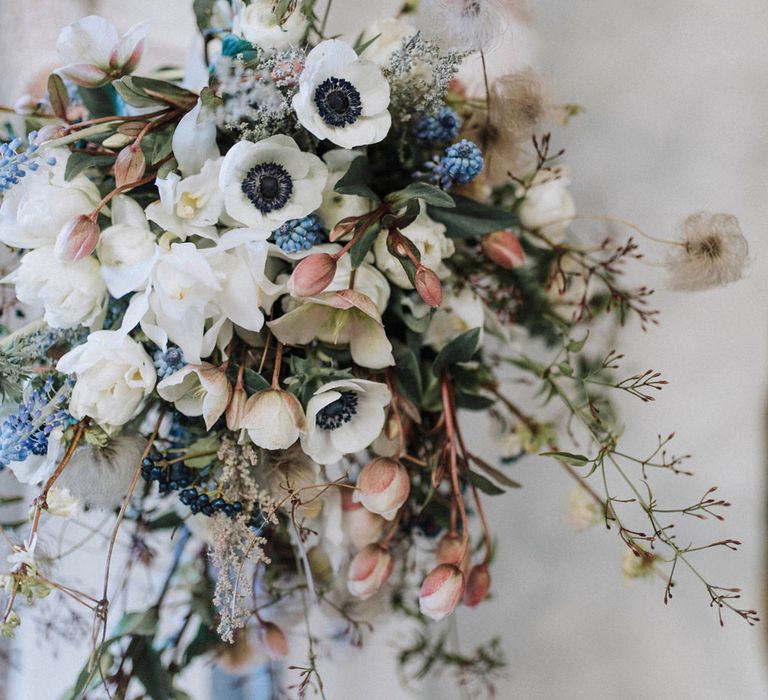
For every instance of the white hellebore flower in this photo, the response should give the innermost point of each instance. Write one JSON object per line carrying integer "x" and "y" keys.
{"x": 270, "y": 182}
{"x": 71, "y": 293}
{"x": 458, "y": 313}
{"x": 258, "y": 24}
{"x": 274, "y": 419}
{"x": 62, "y": 503}
{"x": 344, "y": 417}
{"x": 194, "y": 140}
{"x": 430, "y": 239}
{"x": 192, "y": 206}
{"x": 114, "y": 376}
{"x": 198, "y": 390}
{"x": 96, "y": 54}
{"x": 547, "y": 204}
{"x": 34, "y": 211}
{"x": 336, "y": 206}
{"x": 342, "y": 98}
{"x": 127, "y": 249}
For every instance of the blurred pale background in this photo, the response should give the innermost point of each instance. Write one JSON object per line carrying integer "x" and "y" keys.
{"x": 675, "y": 121}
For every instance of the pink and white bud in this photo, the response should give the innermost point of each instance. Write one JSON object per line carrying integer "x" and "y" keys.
{"x": 274, "y": 640}
{"x": 312, "y": 275}
{"x": 369, "y": 570}
{"x": 382, "y": 487}
{"x": 450, "y": 550}
{"x": 503, "y": 248}
{"x": 274, "y": 418}
{"x": 478, "y": 585}
{"x": 364, "y": 527}
{"x": 77, "y": 239}
{"x": 236, "y": 408}
{"x": 428, "y": 286}
{"x": 130, "y": 165}
{"x": 441, "y": 591}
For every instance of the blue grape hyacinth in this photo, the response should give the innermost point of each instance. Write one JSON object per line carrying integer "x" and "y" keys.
{"x": 461, "y": 163}
{"x": 438, "y": 128}
{"x": 300, "y": 234}
{"x": 16, "y": 161}
{"x": 168, "y": 361}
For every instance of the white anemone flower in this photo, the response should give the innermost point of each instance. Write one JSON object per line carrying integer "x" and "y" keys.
{"x": 270, "y": 182}
{"x": 343, "y": 417}
{"x": 96, "y": 54}
{"x": 190, "y": 206}
{"x": 342, "y": 98}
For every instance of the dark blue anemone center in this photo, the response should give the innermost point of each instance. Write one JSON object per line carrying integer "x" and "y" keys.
{"x": 338, "y": 412}
{"x": 268, "y": 186}
{"x": 338, "y": 102}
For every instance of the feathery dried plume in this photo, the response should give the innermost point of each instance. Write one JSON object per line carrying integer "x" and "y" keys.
{"x": 466, "y": 25}
{"x": 714, "y": 252}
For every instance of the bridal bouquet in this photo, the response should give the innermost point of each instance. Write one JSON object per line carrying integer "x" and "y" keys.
{"x": 267, "y": 295}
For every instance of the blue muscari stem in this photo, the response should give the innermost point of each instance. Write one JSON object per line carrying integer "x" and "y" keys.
{"x": 438, "y": 128}
{"x": 168, "y": 361}
{"x": 26, "y": 431}
{"x": 300, "y": 234}
{"x": 461, "y": 163}
{"x": 16, "y": 161}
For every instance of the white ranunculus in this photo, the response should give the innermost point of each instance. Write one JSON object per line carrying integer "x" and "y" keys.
{"x": 96, "y": 54}
{"x": 386, "y": 37}
{"x": 458, "y": 313}
{"x": 257, "y": 23}
{"x": 127, "y": 249}
{"x": 429, "y": 237}
{"x": 335, "y": 206}
{"x": 194, "y": 140}
{"x": 270, "y": 182}
{"x": 547, "y": 204}
{"x": 198, "y": 390}
{"x": 342, "y": 98}
{"x": 34, "y": 211}
{"x": 343, "y": 417}
{"x": 71, "y": 293}
{"x": 114, "y": 376}
{"x": 189, "y": 206}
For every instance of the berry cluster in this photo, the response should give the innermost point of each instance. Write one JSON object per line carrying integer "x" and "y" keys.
{"x": 171, "y": 478}
{"x": 202, "y": 503}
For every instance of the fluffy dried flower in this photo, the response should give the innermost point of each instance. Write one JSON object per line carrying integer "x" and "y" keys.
{"x": 714, "y": 252}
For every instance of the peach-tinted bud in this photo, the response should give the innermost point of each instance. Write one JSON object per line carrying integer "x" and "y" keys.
{"x": 320, "y": 565}
{"x": 503, "y": 248}
{"x": 383, "y": 486}
{"x": 312, "y": 275}
{"x": 130, "y": 165}
{"x": 428, "y": 286}
{"x": 342, "y": 228}
{"x": 450, "y": 550}
{"x": 441, "y": 591}
{"x": 364, "y": 527}
{"x": 274, "y": 418}
{"x": 368, "y": 571}
{"x": 274, "y": 640}
{"x": 49, "y": 132}
{"x": 478, "y": 585}
{"x": 77, "y": 239}
{"x": 236, "y": 408}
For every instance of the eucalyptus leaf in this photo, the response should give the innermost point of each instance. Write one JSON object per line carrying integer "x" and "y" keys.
{"x": 430, "y": 194}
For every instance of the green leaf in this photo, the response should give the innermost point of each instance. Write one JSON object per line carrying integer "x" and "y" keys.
{"x": 149, "y": 669}
{"x": 568, "y": 457}
{"x": 141, "y": 624}
{"x": 496, "y": 474}
{"x": 401, "y": 221}
{"x": 470, "y": 218}
{"x": 361, "y": 247}
{"x": 167, "y": 521}
{"x": 203, "y": 10}
{"x": 430, "y": 194}
{"x": 356, "y": 180}
{"x": 77, "y": 162}
{"x": 100, "y": 102}
{"x": 577, "y": 345}
{"x": 58, "y": 96}
{"x": 253, "y": 381}
{"x": 473, "y": 402}
{"x": 460, "y": 349}
{"x": 145, "y": 92}
{"x": 204, "y": 446}
{"x": 407, "y": 373}
{"x": 485, "y": 485}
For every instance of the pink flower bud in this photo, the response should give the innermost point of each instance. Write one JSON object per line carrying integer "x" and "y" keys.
{"x": 342, "y": 228}
{"x": 312, "y": 275}
{"x": 441, "y": 591}
{"x": 428, "y": 286}
{"x": 478, "y": 585}
{"x": 503, "y": 248}
{"x": 364, "y": 527}
{"x": 383, "y": 486}
{"x": 369, "y": 570}
{"x": 129, "y": 166}
{"x": 274, "y": 640}
{"x": 49, "y": 132}
{"x": 77, "y": 239}
{"x": 450, "y": 550}
{"x": 236, "y": 409}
